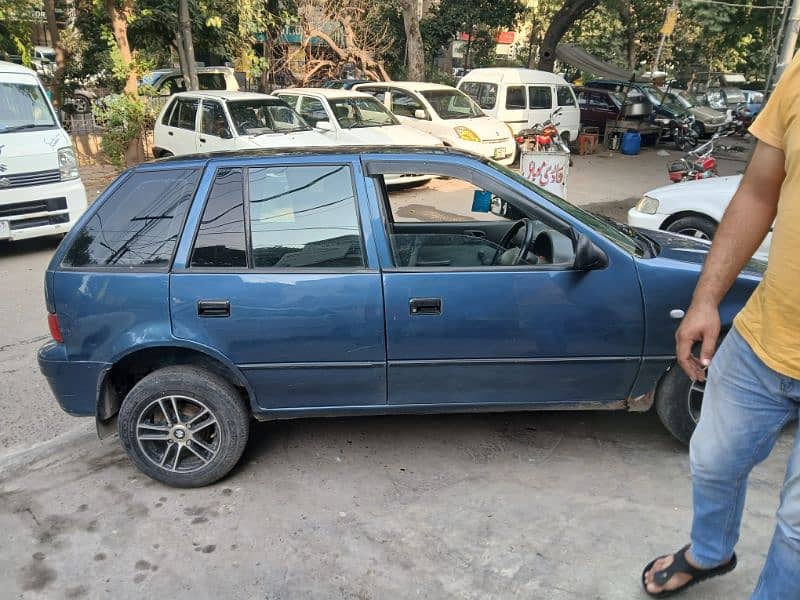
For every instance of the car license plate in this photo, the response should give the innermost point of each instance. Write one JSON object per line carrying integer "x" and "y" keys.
{"x": 499, "y": 152}
{"x": 5, "y": 230}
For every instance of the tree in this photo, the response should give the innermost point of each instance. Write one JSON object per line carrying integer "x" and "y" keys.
{"x": 479, "y": 19}
{"x": 55, "y": 40}
{"x": 186, "y": 46}
{"x": 119, "y": 11}
{"x": 342, "y": 32}
{"x": 415, "y": 50}
{"x": 565, "y": 17}
{"x": 15, "y": 27}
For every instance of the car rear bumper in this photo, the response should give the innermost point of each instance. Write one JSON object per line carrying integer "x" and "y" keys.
{"x": 74, "y": 383}
{"x": 40, "y": 210}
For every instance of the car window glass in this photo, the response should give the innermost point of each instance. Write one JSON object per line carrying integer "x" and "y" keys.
{"x": 183, "y": 116}
{"x": 540, "y": 96}
{"x": 599, "y": 101}
{"x": 484, "y": 94}
{"x": 173, "y": 84}
{"x": 139, "y": 224}
{"x": 213, "y": 120}
{"x": 515, "y": 97}
{"x": 211, "y": 81}
{"x": 454, "y": 223}
{"x": 312, "y": 110}
{"x": 304, "y": 216}
{"x": 220, "y": 238}
{"x": 404, "y": 104}
{"x": 564, "y": 96}
{"x": 169, "y": 114}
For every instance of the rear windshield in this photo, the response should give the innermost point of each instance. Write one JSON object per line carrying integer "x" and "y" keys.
{"x": 139, "y": 224}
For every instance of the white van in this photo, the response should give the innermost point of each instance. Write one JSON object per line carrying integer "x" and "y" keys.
{"x": 524, "y": 97}
{"x": 41, "y": 192}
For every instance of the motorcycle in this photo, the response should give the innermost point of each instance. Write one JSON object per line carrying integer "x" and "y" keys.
{"x": 543, "y": 137}
{"x": 697, "y": 164}
{"x": 741, "y": 119}
{"x": 682, "y": 131}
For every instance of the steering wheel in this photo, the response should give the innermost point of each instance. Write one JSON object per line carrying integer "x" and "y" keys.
{"x": 505, "y": 243}
{"x": 249, "y": 124}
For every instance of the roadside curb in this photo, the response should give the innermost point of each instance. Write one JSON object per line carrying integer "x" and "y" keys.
{"x": 26, "y": 455}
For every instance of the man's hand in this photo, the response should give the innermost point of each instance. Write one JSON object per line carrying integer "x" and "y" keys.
{"x": 701, "y": 324}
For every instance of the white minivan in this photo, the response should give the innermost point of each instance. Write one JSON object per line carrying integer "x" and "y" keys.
{"x": 523, "y": 97}
{"x": 41, "y": 192}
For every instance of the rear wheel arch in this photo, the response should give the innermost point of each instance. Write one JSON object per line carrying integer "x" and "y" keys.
{"x": 131, "y": 368}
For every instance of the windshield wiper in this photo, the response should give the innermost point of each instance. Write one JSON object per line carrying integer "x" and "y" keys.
{"x": 25, "y": 126}
{"x": 638, "y": 237}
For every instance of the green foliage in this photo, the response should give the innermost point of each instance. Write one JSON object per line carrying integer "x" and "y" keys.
{"x": 15, "y": 27}
{"x": 125, "y": 119}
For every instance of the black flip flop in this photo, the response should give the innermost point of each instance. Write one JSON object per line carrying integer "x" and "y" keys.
{"x": 680, "y": 565}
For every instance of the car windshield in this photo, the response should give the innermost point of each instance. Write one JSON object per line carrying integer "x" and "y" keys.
{"x": 23, "y": 106}
{"x": 681, "y": 98}
{"x": 452, "y": 104}
{"x": 258, "y": 117}
{"x": 621, "y": 235}
{"x": 660, "y": 98}
{"x": 361, "y": 112}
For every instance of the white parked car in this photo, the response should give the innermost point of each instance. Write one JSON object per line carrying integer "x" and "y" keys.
{"x": 41, "y": 192}
{"x": 209, "y": 121}
{"x": 692, "y": 208}
{"x": 170, "y": 81}
{"x": 356, "y": 119}
{"x": 447, "y": 114}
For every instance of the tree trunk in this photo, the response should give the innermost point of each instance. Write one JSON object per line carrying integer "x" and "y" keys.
{"x": 119, "y": 25}
{"x": 189, "y": 68}
{"x": 627, "y": 16}
{"x": 55, "y": 39}
{"x": 414, "y": 48}
{"x": 562, "y": 21}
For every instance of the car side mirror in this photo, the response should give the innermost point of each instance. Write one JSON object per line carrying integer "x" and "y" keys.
{"x": 420, "y": 114}
{"x": 324, "y": 126}
{"x": 588, "y": 256}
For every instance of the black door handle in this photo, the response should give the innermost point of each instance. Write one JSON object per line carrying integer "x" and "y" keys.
{"x": 213, "y": 308}
{"x": 169, "y": 133}
{"x": 202, "y": 140}
{"x": 425, "y": 306}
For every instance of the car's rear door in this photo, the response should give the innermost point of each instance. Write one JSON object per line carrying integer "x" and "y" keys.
{"x": 498, "y": 335}
{"x": 280, "y": 279}
{"x": 180, "y": 134}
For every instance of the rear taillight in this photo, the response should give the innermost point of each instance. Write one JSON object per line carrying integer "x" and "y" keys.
{"x": 55, "y": 330}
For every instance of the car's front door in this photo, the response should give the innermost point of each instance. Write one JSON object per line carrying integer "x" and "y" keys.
{"x": 214, "y": 129}
{"x": 465, "y": 327}
{"x": 275, "y": 274}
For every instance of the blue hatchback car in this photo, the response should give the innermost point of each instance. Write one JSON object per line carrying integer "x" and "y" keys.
{"x": 199, "y": 292}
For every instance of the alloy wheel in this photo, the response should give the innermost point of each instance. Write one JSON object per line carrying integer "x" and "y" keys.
{"x": 694, "y": 400}
{"x": 179, "y": 434}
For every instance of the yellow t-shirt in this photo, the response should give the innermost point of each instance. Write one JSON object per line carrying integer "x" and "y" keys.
{"x": 770, "y": 322}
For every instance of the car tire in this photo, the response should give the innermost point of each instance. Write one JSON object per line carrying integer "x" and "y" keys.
{"x": 83, "y": 105}
{"x": 695, "y": 226}
{"x": 699, "y": 129}
{"x": 676, "y": 403}
{"x": 202, "y": 444}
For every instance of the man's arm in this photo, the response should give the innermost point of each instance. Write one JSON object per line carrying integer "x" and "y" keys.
{"x": 744, "y": 226}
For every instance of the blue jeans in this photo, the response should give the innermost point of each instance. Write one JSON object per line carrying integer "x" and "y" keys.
{"x": 745, "y": 406}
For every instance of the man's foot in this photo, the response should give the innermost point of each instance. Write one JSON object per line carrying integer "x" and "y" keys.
{"x": 676, "y": 581}
{"x": 668, "y": 575}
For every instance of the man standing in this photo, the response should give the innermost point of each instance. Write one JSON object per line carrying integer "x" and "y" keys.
{"x": 753, "y": 386}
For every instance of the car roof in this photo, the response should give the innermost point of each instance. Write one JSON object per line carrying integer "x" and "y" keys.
{"x": 197, "y": 160}
{"x": 324, "y": 92}
{"x": 225, "y": 95}
{"x": 9, "y": 67}
{"x": 411, "y": 86}
{"x": 513, "y": 75}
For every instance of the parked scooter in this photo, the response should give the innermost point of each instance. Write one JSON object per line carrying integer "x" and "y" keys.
{"x": 697, "y": 164}
{"x": 543, "y": 137}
